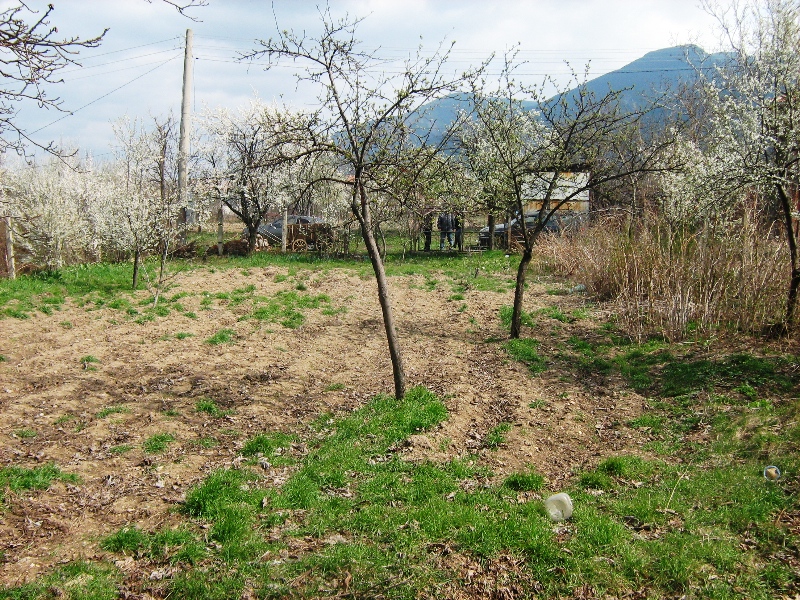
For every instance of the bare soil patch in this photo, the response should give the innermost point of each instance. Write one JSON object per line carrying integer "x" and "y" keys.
{"x": 270, "y": 379}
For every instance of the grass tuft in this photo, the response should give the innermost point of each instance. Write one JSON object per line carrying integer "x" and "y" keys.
{"x": 223, "y": 336}
{"x": 39, "y": 478}
{"x": 525, "y": 350}
{"x": 158, "y": 443}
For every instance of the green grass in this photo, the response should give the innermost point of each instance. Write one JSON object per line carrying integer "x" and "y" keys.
{"x": 74, "y": 581}
{"x": 656, "y": 525}
{"x": 273, "y": 446}
{"x": 112, "y": 410}
{"x": 692, "y": 516}
{"x": 288, "y": 308}
{"x": 26, "y": 295}
{"x": 208, "y": 406}
{"x": 223, "y": 336}
{"x": 524, "y": 482}
{"x": 25, "y": 433}
{"x": 38, "y": 478}
{"x": 497, "y": 435}
{"x": 89, "y": 360}
{"x": 507, "y": 312}
{"x": 207, "y": 442}
{"x": 158, "y": 443}
{"x": 554, "y": 312}
{"x": 526, "y": 350}
{"x": 173, "y": 546}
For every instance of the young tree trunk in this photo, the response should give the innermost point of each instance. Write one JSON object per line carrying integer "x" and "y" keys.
{"x": 491, "y": 231}
{"x": 12, "y": 270}
{"x": 251, "y": 239}
{"x": 285, "y": 229}
{"x": 361, "y": 212}
{"x": 220, "y": 230}
{"x": 794, "y": 283}
{"x": 161, "y": 271}
{"x": 519, "y": 291}
{"x": 137, "y": 255}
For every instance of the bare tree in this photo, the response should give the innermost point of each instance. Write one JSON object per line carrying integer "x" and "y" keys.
{"x": 523, "y": 152}
{"x": 182, "y": 7}
{"x": 32, "y": 53}
{"x": 366, "y": 122}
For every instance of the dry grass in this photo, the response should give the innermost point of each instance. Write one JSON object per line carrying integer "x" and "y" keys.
{"x": 678, "y": 283}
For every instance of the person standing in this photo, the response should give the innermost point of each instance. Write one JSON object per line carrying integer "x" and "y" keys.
{"x": 458, "y": 225}
{"x": 427, "y": 230}
{"x": 445, "y": 226}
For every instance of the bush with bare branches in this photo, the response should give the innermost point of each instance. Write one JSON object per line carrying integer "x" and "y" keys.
{"x": 678, "y": 283}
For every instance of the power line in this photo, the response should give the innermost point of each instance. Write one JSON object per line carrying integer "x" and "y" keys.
{"x": 524, "y": 74}
{"x": 105, "y": 95}
{"x": 114, "y": 62}
{"x": 172, "y": 39}
{"x": 115, "y": 71}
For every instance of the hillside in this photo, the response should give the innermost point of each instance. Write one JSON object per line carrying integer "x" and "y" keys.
{"x": 640, "y": 81}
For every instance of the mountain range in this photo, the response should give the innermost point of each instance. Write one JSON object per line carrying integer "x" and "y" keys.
{"x": 638, "y": 82}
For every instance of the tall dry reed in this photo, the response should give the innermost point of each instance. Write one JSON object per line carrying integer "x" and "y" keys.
{"x": 676, "y": 283}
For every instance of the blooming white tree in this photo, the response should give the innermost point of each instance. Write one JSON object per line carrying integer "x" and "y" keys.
{"x": 138, "y": 206}
{"x": 249, "y": 161}
{"x": 754, "y": 103}
{"x": 698, "y": 188}
{"x": 47, "y": 204}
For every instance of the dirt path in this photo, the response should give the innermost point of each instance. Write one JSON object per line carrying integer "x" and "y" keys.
{"x": 271, "y": 378}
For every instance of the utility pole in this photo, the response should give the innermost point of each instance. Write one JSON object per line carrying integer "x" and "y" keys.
{"x": 183, "y": 144}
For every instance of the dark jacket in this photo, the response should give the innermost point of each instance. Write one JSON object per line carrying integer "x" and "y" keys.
{"x": 445, "y": 222}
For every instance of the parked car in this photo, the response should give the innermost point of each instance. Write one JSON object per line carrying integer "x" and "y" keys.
{"x": 500, "y": 230}
{"x": 273, "y": 232}
{"x": 556, "y": 223}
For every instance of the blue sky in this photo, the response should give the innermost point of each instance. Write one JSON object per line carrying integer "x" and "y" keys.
{"x": 138, "y": 68}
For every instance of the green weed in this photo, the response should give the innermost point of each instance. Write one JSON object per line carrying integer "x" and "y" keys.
{"x": 556, "y": 313}
{"x": 207, "y": 442}
{"x": 112, "y": 410}
{"x": 210, "y": 407}
{"x": 287, "y": 308}
{"x": 271, "y": 446}
{"x": 39, "y": 478}
{"x": 223, "y": 336}
{"x": 88, "y": 362}
{"x": 525, "y": 350}
{"x": 496, "y": 436}
{"x": 158, "y": 443}
{"x": 524, "y": 482}
{"x": 169, "y": 545}
{"x": 507, "y": 312}
{"x": 76, "y": 581}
